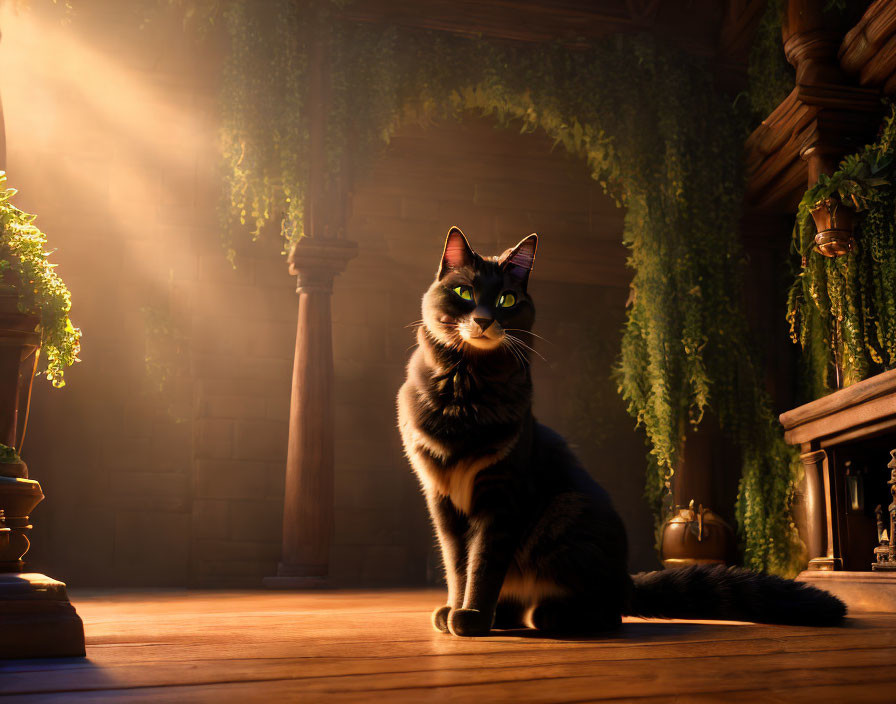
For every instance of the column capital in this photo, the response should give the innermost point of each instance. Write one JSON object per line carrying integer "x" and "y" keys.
{"x": 813, "y": 457}
{"x": 315, "y": 262}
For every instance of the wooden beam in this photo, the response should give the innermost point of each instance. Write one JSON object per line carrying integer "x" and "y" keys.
{"x": 862, "y": 42}
{"x": 827, "y": 114}
{"x": 692, "y": 24}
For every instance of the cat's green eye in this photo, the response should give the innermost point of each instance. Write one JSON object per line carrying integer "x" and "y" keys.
{"x": 506, "y": 300}
{"x": 464, "y": 292}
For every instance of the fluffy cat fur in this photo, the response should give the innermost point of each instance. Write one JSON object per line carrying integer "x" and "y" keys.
{"x": 528, "y": 538}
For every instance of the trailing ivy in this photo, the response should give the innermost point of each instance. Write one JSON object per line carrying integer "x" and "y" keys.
{"x": 655, "y": 135}
{"x": 770, "y": 77}
{"x": 843, "y": 310}
{"x": 25, "y": 267}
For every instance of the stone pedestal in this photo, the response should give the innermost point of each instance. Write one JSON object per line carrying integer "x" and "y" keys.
{"x": 37, "y": 619}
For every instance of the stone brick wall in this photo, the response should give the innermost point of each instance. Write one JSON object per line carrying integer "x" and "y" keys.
{"x": 498, "y": 186}
{"x": 112, "y": 140}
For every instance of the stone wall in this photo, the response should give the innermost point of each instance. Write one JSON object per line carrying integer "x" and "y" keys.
{"x": 498, "y": 186}
{"x": 112, "y": 140}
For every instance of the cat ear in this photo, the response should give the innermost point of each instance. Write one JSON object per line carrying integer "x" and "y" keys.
{"x": 518, "y": 262}
{"x": 457, "y": 252}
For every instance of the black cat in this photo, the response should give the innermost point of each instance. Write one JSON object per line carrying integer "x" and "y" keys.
{"x": 528, "y": 538}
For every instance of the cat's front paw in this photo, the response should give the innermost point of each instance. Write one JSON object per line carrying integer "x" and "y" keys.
{"x": 469, "y": 622}
{"x": 440, "y": 618}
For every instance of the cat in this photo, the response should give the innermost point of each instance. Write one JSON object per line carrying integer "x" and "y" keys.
{"x": 528, "y": 538}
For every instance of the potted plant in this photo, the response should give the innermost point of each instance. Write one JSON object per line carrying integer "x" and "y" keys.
{"x": 835, "y": 199}
{"x": 36, "y": 335}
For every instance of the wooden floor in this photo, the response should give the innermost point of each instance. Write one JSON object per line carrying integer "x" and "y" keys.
{"x": 379, "y": 646}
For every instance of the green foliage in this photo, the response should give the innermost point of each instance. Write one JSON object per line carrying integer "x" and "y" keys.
{"x": 770, "y": 78}
{"x": 845, "y": 308}
{"x": 24, "y": 266}
{"x": 654, "y": 134}
{"x": 8, "y": 455}
{"x": 855, "y": 182}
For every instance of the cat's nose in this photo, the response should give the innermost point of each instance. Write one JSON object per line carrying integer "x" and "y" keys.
{"x": 483, "y": 323}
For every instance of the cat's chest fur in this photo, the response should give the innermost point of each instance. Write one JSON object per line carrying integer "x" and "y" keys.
{"x": 456, "y": 423}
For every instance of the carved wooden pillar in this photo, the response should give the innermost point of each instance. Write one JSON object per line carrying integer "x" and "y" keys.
{"x": 315, "y": 261}
{"x": 845, "y": 113}
{"x": 819, "y": 529}
{"x": 308, "y": 501}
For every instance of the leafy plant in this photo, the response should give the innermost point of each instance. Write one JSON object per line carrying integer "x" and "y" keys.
{"x": 25, "y": 267}
{"x": 854, "y": 181}
{"x": 770, "y": 78}
{"x": 844, "y": 309}
{"x": 8, "y": 455}
{"x": 654, "y": 134}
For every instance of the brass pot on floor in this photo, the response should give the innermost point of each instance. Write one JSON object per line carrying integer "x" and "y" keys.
{"x": 696, "y": 536}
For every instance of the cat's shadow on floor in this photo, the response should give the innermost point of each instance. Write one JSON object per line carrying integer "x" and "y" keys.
{"x": 636, "y": 630}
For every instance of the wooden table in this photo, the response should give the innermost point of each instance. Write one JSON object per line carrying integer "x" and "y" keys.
{"x": 182, "y": 646}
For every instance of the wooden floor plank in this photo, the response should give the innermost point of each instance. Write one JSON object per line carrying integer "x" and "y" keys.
{"x": 191, "y": 670}
{"x": 352, "y": 646}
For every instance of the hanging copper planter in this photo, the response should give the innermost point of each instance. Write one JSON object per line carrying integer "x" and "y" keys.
{"x": 834, "y": 222}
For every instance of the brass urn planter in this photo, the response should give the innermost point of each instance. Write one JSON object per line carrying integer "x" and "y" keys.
{"x": 36, "y": 617}
{"x": 18, "y": 498}
{"x": 696, "y": 536}
{"x": 834, "y": 221}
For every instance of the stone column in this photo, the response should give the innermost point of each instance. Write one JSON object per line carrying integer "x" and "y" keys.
{"x": 308, "y": 500}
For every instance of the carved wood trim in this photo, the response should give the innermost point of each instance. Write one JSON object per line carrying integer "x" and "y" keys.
{"x": 847, "y": 113}
{"x": 862, "y": 43}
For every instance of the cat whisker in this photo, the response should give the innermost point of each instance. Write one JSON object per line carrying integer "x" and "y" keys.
{"x": 510, "y": 342}
{"x": 529, "y": 332}
{"x": 522, "y": 360}
{"x": 520, "y": 342}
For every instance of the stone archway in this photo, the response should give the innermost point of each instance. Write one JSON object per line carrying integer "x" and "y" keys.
{"x": 498, "y": 185}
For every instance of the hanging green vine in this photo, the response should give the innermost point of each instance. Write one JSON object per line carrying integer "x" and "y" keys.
{"x": 770, "y": 78}
{"x": 844, "y": 309}
{"x": 25, "y": 268}
{"x": 654, "y": 134}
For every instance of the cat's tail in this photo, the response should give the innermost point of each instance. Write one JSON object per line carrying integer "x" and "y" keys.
{"x": 732, "y": 594}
